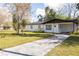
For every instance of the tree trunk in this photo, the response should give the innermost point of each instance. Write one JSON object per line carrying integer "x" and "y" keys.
{"x": 18, "y": 31}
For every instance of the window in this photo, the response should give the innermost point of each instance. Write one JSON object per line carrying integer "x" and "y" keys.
{"x": 31, "y": 26}
{"x": 48, "y": 27}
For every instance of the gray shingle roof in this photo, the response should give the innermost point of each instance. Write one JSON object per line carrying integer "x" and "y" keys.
{"x": 53, "y": 21}
{"x": 59, "y": 21}
{"x": 35, "y": 23}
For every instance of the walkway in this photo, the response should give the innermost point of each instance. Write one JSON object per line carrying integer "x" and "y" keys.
{"x": 36, "y": 48}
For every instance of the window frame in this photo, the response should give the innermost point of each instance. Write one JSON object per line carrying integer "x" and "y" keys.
{"x": 48, "y": 27}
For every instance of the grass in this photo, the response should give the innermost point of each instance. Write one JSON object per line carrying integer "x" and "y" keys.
{"x": 9, "y": 38}
{"x": 70, "y": 47}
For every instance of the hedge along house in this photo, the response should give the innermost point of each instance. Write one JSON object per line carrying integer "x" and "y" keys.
{"x": 55, "y": 26}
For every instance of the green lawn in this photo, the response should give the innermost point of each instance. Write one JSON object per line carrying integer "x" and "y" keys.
{"x": 70, "y": 47}
{"x": 9, "y": 38}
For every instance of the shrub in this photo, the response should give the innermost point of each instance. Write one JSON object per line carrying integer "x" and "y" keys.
{"x": 39, "y": 31}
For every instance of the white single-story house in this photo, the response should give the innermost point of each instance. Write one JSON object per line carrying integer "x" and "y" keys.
{"x": 2, "y": 27}
{"x": 55, "y": 26}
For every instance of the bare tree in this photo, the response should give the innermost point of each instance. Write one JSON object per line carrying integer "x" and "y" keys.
{"x": 21, "y": 11}
{"x": 69, "y": 10}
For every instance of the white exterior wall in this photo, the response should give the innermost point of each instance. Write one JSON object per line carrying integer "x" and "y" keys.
{"x": 54, "y": 29}
{"x": 35, "y": 28}
{"x": 65, "y": 27}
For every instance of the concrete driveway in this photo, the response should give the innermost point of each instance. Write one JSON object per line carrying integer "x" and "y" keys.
{"x": 36, "y": 48}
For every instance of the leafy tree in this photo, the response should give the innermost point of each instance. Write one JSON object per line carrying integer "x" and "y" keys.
{"x": 77, "y": 6}
{"x": 49, "y": 14}
{"x": 24, "y": 23}
{"x": 15, "y": 22}
{"x": 40, "y": 17}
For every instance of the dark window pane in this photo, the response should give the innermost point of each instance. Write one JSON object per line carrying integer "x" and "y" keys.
{"x": 48, "y": 27}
